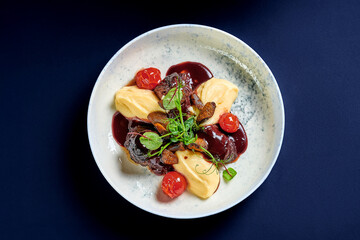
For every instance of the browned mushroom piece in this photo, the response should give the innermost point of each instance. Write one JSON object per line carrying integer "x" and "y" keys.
{"x": 160, "y": 128}
{"x": 161, "y": 104}
{"x": 179, "y": 146}
{"x": 198, "y": 145}
{"x": 196, "y": 101}
{"x": 206, "y": 112}
{"x": 168, "y": 157}
{"x": 159, "y": 120}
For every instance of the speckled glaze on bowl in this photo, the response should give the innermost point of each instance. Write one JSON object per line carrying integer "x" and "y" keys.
{"x": 259, "y": 107}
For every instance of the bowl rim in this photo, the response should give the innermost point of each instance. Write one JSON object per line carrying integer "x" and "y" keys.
{"x": 187, "y": 25}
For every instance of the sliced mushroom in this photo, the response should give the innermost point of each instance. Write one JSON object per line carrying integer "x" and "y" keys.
{"x": 168, "y": 157}
{"x": 159, "y": 120}
{"x": 179, "y": 146}
{"x": 198, "y": 145}
{"x": 196, "y": 101}
{"x": 206, "y": 112}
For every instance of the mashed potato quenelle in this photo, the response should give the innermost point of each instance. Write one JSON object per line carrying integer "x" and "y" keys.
{"x": 191, "y": 165}
{"x": 220, "y": 91}
{"x": 132, "y": 101}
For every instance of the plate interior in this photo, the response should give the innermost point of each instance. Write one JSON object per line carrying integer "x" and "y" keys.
{"x": 258, "y": 106}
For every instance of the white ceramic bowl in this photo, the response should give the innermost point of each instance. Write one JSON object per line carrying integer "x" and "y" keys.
{"x": 259, "y": 107}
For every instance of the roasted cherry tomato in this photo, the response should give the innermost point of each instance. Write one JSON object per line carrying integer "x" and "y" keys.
{"x": 173, "y": 184}
{"x": 148, "y": 78}
{"x": 229, "y": 122}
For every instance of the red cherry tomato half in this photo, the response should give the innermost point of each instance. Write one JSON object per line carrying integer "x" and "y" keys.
{"x": 148, "y": 78}
{"x": 173, "y": 184}
{"x": 229, "y": 122}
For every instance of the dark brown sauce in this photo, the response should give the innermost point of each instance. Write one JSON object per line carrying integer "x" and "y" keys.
{"x": 217, "y": 141}
{"x": 240, "y": 139}
{"x": 198, "y": 72}
{"x": 121, "y": 125}
{"x": 220, "y": 142}
{"x": 118, "y": 125}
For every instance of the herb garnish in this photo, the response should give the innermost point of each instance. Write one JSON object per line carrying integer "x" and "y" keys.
{"x": 181, "y": 131}
{"x": 173, "y": 98}
{"x": 178, "y": 129}
{"x": 228, "y": 174}
{"x": 151, "y": 140}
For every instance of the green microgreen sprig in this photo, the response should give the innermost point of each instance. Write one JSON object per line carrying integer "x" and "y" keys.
{"x": 178, "y": 129}
{"x": 228, "y": 174}
{"x": 181, "y": 131}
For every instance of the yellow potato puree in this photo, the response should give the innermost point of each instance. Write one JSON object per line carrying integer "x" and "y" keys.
{"x": 132, "y": 101}
{"x": 220, "y": 91}
{"x": 191, "y": 165}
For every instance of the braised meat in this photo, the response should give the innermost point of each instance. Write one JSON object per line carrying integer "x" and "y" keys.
{"x": 138, "y": 152}
{"x": 157, "y": 167}
{"x": 170, "y": 82}
{"x": 166, "y": 84}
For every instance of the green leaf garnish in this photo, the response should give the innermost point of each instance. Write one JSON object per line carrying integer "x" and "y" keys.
{"x": 181, "y": 131}
{"x": 171, "y": 98}
{"x": 189, "y": 123}
{"x": 174, "y": 127}
{"x": 229, "y": 174}
{"x": 151, "y": 140}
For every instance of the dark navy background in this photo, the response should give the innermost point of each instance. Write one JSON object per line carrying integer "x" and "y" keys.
{"x": 51, "y": 55}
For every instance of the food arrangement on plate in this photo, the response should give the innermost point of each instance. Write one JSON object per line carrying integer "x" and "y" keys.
{"x": 180, "y": 127}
